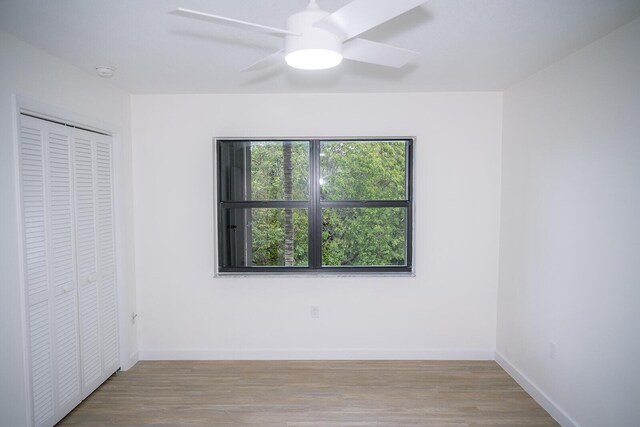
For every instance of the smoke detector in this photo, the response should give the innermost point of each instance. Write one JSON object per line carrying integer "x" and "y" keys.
{"x": 105, "y": 71}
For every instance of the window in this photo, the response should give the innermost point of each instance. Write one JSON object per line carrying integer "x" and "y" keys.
{"x": 314, "y": 205}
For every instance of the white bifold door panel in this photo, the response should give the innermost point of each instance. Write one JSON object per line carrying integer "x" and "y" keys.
{"x": 69, "y": 264}
{"x": 95, "y": 257}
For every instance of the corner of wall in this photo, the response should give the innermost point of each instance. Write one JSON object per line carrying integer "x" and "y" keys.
{"x": 538, "y": 395}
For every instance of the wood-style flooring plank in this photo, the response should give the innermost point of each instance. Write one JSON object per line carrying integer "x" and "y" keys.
{"x": 310, "y": 394}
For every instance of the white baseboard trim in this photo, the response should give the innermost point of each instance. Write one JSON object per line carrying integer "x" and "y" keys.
{"x": 538, "y": 395}
{"x": 129, "y": 362}
{"x": 317, "y": 354}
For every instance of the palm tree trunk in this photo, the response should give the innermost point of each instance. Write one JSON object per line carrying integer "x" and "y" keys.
{"x": 288, "y": 212}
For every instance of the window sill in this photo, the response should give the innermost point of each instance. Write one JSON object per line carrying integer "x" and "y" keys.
{"x": 323, "y": 274}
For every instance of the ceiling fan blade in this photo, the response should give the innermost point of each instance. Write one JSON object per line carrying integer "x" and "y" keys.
{"x": 377, "y": 53}
{"x": 187, "y": 13}
{"x": 265, "y": 62}
{"x": 362, "y": 15}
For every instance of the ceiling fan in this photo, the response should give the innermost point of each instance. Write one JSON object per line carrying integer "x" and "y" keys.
{"x": 315, "y": 39}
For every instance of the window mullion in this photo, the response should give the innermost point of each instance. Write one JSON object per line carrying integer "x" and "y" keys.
{"x": 315, "y": 213}
{"x": 365, "y": 204}
{"x": 248, "y": 204}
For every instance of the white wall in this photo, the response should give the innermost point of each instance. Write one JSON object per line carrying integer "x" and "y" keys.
{"x": 28, "y": 72}
{"x": 570, "y": 235}
{"x": 447, "y": 311}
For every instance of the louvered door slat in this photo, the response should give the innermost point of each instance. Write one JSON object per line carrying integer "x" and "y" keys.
{"x": 90, "y": 338}
{"x": 85, "y": 212}
{"x": 59, "y": 184}
{"x": 108, "y": 312}
{"x": 67, "y": 351}
{"x": 33, "y": 206}
{"x": 41, "y": 362}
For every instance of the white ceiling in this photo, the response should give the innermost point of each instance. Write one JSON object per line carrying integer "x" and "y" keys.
{"x": 465, "y": 45}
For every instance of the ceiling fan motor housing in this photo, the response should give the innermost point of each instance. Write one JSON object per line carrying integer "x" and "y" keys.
{"x": 323, "y": 45}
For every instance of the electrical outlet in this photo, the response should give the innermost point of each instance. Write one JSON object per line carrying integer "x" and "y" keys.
{"x": 552, "y": 350}
{"x": 315, "y": 312}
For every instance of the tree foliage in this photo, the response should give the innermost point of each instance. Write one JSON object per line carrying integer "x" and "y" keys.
{"x": 357, "y": 170}
{"x": 349, "y": 170}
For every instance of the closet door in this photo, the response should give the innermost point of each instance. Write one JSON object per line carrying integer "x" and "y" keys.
{"x": 53, "y": 348}
{"x": 106, "y": 255}
{"x": 95, "y": 258}
{"x": 87, "y": 262}
{"x": 36, "y": 269}
{"x": 62, "y": 267}
{"x": 69, "y": 264}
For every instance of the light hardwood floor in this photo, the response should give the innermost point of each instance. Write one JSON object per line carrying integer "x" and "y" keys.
{"x": 311, "y": 393}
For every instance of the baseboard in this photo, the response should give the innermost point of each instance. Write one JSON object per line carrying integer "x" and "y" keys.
{"x": 130, "y": 362}
{"x": 538, "y": 395}
{"x": 317, "y": 354}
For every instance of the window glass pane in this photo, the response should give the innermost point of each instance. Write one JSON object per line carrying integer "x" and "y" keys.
{"x": 264, "y": 170}
{"x": 264, "y": 237}
{"x": 364, "y": 237}
{"x": 363, "y": 170}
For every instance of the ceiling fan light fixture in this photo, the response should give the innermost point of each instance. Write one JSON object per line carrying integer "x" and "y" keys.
{"x": 311, "y": 48}
{"x": 313, "y": 59}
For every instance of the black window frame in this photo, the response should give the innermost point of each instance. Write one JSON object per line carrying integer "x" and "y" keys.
{"x": 315, "y": 206}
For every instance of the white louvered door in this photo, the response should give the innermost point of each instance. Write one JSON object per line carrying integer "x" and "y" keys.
{"x": 36, "y": 269}
{"x": 106, "y": 254}
{"x": 95, "y": 258}
{"x": 62, "y": 267}
{"x": 87, "y": 262}
{"x": 69, "y": 270}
